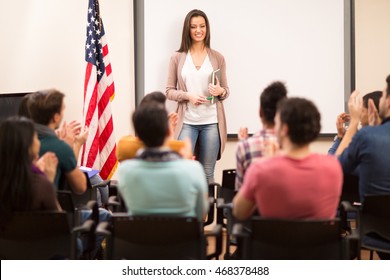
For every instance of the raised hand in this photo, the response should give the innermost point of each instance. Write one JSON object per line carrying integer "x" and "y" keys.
{"x": 340, "y": 124}
{"x": 373, "y": 116}
{"x": 172, "y": 119}
{"x": 48, "y": 165}
{"x": 243, "y": 133}
{"x": 355, "y": 105}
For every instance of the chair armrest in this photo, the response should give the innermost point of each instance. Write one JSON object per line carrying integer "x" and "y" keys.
{"x": 103, "y": 228}
{"x": 215, "y": 231}
{"x": 211, "y": 200}
{"x": 87, "y": 226}
{"x": 93, "y": 206}
{"x": 347, "y": 207}
{"x": 102, "y": 184}
{"x": 113, "y": 201}
{"x": 239, "y": 230}
{"x": 221, "y": 204}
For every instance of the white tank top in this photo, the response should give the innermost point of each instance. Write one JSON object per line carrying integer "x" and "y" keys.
{"x": 197, "y": 81}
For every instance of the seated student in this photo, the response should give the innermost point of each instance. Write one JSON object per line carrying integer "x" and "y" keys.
{"x": 23, "y": 186}
{"x": 68, "y": 132}
{"x": 297, "y": 184}
{"x": 129, "y": 145}
{"x": 252, "y": 148}
{"x": 46, "y": 109}
{"x": 159, "y": 181}
{"x": 344, "y": 118}
{"x": 367, "y": 149}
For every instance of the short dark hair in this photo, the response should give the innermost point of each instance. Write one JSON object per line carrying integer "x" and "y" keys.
{"x": 302, "y": 118}
{"x": 151, "y": 124}
{"x": 375, "y": 96}
{"x": 269, "y": 98}
{"x": 388, "y": 86}
{"x": 23, "y": 110}
{"x": 43, "y": 105}
{"x": 155, "y": 96}
{"x": 186, "y": 41}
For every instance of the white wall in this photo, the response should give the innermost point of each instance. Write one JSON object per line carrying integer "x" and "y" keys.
{"x": 372, "y": 64}
{"x": 372, "y": 44}
{"x": 47, "y": 38}
{"x": 300, "y": 42}
{"x": 42, "y": 46}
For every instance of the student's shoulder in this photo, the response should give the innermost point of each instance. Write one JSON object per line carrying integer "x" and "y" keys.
{"x": 324, "y": 159}
{"x": 129, "y": 164}
{"x": 188, "y": 164}
{"x": 41, "y": 182}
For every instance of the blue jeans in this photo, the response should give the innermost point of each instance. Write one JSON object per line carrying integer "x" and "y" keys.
{"x": 208, "y": 145}
{"x": 104, "y": 216}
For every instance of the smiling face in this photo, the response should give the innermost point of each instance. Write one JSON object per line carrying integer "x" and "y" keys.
{"x": 198, "y": 29}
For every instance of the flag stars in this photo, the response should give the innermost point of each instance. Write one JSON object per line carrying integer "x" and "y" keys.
{"x": 93, "y": 41}
{"x": 87, "y": 46}
{"x": 94, "y": 50}
{"x": 89, "y": 11}
{"x": 90, "y": 32}
{"x": 92, "y": 18}
{"x": 98, "y": 32}
{"x": 90, "y": 55}
{"x": 99, "y": 72}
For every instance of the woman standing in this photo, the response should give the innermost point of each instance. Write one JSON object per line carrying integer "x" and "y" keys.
{"x": 23, "y": 186}
{"x": 201, "y": 116}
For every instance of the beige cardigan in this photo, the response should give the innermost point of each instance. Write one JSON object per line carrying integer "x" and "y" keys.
{"x": 176, "y": 90}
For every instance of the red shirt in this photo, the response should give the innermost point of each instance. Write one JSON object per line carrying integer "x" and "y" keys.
{"x": 282, "y": 187}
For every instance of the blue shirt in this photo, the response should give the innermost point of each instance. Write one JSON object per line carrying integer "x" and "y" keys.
{"x": 176, "y": 187}
{"x": 369, "y": 150}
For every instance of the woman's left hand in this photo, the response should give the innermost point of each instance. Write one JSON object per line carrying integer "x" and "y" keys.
{"x": 216, "y": 90}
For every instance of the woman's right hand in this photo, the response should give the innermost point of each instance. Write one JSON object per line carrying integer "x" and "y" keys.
{"x": 48, "y": 165}
{"x": 196, "y": 99}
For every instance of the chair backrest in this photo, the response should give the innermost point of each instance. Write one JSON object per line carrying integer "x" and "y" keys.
{"x": 295, "y": 239}
{"x": 227, "y": 191}
{"x": 229, "y": 178}
{"x": 375, "y": 216}
{"x": 211, "y": 197}
{"x": 37, "y": 235}
{"x": 350, "y": 190}
{"x": 81, "y": 200}
{"x": 156, "y": 238}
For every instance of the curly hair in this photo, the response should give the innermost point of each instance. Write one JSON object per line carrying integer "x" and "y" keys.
{"x": 302, "y": 118}
{"x": 269, "y": 98}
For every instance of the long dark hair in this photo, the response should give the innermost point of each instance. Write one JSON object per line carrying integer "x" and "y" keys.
{"x": 16, "y": 138}
{"x": 186, "y": 40}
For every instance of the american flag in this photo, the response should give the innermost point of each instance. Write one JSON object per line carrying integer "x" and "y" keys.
{"x": 99, "y": 152}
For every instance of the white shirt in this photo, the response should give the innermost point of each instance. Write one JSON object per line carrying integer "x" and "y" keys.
{"x": 197, "y": 81}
